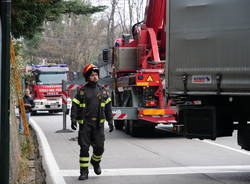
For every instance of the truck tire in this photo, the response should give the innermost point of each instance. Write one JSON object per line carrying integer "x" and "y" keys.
{"x": 243, "y": 137}
{"x": 133, "y": 128}
{"x": 126, "y": 127}
{"x": 119, "y": 124}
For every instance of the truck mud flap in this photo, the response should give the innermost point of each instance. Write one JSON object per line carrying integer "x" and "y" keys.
{"x": 199, "y": 121}
{"x": 243, "y": 137}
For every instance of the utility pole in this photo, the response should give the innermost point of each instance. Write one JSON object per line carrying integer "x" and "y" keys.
{"x": 4, "y": 90}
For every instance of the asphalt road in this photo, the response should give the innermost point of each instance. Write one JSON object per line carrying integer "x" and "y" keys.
{"x": 161, "y": 158}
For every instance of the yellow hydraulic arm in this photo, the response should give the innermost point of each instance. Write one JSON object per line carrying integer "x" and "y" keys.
{"x": 15, "y": 73}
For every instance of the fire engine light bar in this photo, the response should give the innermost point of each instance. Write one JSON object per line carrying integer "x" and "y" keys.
{"x": 44, "y": 66}
{"x": 51, "y": 68}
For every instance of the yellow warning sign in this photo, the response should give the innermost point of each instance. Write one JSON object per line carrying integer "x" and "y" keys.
{"x": 150, "y": 79}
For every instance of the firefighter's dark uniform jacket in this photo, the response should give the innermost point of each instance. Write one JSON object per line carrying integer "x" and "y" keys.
{"x": 90, "y": 108}
{"x": 92, "y": 101}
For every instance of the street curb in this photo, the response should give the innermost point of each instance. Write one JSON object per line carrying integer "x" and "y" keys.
{"x": 49, "y": 163}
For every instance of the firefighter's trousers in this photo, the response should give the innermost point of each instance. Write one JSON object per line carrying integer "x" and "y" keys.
{"x": 94, "y": 136}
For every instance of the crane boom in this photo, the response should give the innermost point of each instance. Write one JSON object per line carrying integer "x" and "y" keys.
{"x": 155, "y": 14}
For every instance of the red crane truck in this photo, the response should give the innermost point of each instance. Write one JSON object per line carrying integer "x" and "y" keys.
{"x": 139, "y": 100}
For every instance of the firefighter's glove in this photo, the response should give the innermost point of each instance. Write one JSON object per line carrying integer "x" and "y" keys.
{"x": 111, "y": 126}
{"x": 73, "y": 124}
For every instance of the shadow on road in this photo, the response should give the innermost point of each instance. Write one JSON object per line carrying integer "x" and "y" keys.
{"x": 158, "y": 133}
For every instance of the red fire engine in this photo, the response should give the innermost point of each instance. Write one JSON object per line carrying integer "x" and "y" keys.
{"x": 45, "y": 83}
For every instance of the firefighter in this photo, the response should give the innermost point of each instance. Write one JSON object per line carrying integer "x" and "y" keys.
{"x": 90, "y": 108}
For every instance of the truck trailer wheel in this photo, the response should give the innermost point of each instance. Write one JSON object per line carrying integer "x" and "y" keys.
{"x": 243, "y": 137}
{"x": 126, "y": 127}
{"x": 119, "y": 124}
{"x": 133, "y": 128}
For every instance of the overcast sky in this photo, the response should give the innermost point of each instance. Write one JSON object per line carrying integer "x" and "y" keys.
{"x": 122, "y": 6}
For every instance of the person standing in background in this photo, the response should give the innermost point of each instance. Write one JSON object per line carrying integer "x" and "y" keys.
{"x": 28, "y": 104}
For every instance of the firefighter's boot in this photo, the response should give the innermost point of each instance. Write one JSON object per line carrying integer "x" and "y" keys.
{"x": 84, "y": 172}
{"x": 96, "y": 166}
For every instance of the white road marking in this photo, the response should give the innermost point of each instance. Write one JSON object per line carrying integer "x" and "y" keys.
{"x": 163, "y": 171}
{"x": 227, "y": 147}
{"x": 52, "y": 170}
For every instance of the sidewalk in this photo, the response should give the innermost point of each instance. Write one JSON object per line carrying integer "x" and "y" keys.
{"x": 49, "y": 163}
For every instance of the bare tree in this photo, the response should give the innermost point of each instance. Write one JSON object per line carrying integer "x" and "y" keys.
{"x": 140, "y": 7}
{"x": 134, "y": 14}
{"x": 74, "y": 41}
{"x": 121, "y": 15}
{"x": 131, "y": 3}
{"x": 111, "y": 23}
{"x": 122, "y": 20}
